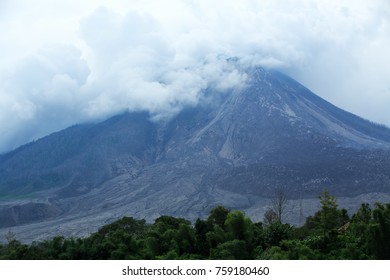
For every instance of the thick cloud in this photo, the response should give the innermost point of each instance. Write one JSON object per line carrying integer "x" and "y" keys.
{"x": 136, "y": 66}
{"x": 84, "y": 61}
{"x": 42, "y": 94}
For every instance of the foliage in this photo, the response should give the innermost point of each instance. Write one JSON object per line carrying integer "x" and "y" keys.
{"x": 225, "y": 234}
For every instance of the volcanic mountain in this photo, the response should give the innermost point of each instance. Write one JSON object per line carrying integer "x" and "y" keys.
{"x": 234, "y": 148}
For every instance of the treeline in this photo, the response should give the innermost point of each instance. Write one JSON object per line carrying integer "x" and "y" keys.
{"x": 329, "y": 234}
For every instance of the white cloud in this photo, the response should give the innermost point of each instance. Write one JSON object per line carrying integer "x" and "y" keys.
{"x": 69, "y": 61}
{"x": 41, "y": 94}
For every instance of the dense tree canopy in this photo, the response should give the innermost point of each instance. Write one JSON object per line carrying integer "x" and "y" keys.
{"x": 226, "y": 234}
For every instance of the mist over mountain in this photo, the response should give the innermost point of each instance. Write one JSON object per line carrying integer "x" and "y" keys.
{"x": 75, "y": 62}
{"x": 233, "y": 148}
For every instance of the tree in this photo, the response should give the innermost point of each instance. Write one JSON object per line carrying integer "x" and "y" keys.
{"x": 297, "y": 250}
{"x": 230, "y": 250}
{"x": 10, "y": 237}
{"x": 238, "y": 226}
{"x": 163, "y": 236}
{"x": 128, "y": 224}
{"x": 329, "y": 213}
{"x": 275, "y": 233}
{"x": 358, "y": 231}
{"x": 185, "y": 239}
{"x": 363, "y": 215}
{"x": 216, "y": 236}
{"x": 201, "y": 229}
{"x": 380, "y": 231}
{"x": 270, "y": 217}
{"x": 279, "y": 202}
{"x": 218, "y": 216}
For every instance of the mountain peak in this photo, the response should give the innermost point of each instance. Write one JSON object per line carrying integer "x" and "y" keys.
{"x": 241, "y": 146}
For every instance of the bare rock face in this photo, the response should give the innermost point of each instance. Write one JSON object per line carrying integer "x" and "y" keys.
{"x": 233, "y": 150}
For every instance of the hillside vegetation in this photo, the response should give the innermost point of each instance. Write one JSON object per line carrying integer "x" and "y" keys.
{"x": 329, "y": 234}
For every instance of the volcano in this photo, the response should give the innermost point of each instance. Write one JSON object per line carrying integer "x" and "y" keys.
{"x": 234, "y": 148}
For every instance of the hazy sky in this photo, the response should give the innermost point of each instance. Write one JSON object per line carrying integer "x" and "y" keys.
{"x": 65, "y": 62}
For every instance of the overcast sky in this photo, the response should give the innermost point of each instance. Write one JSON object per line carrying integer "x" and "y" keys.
{"x": 66, "y": 62}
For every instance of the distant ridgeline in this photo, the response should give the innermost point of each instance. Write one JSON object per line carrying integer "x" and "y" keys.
{"x": 329, "y": 234}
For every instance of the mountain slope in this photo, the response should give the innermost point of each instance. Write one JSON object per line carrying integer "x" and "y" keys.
{"x": 79, "y": 157}
{"x": 234, "y": 148}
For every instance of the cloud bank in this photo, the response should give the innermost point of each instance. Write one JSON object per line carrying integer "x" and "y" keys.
{"x": 80, "y": 62}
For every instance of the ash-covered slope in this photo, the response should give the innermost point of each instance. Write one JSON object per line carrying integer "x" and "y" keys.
{"x": 232, "y": 150}
{"x": 276, "y": 132}
{"x": 275, "y": 115}
{"x": 78, "y": 158}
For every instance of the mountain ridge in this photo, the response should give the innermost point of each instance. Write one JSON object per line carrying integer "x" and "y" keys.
{"x": 233, "y": 150}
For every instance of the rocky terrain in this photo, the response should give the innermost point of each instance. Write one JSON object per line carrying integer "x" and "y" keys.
{"x": 234, "y": 149}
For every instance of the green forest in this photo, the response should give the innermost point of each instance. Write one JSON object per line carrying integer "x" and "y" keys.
{"x": 329, "y": 234}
